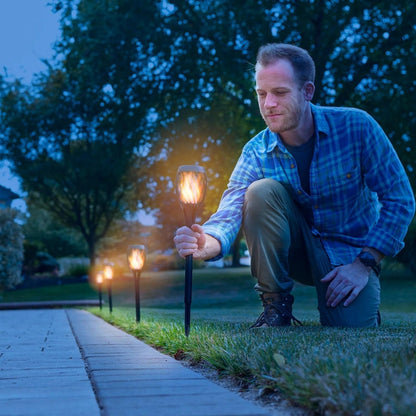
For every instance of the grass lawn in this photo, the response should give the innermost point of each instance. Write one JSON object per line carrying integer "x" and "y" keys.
{"x": 330, "y": 371}
{"x": 74, "y": 291}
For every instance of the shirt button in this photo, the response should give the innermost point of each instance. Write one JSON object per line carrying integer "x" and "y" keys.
{"x": 316, "y": 207}
{"x": 348, "y": 175}
{"x": 299, "y": 192}
{"x": 292, "y": 165}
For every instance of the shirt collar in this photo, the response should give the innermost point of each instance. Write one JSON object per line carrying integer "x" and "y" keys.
{"x": 321, "y": 125}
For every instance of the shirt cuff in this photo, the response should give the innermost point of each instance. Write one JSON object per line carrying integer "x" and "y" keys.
{"x": 225, "y": 246}
{"x": 384, "y": 242}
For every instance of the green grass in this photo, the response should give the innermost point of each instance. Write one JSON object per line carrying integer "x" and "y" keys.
{"x": 330, "y": 371}
{"x": 75, "y": 291}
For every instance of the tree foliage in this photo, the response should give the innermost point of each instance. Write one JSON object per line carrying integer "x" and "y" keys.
{"x": 362, "y": 59}
{"x": 142, "y": 87}
{"x": 42, "y": 231}
{"x": 11, "y": 249}
{"x": 72, "y": 136}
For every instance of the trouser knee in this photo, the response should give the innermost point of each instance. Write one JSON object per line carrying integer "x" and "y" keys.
{"x": 362, "y": 313}
{"x": 263, "y": 194}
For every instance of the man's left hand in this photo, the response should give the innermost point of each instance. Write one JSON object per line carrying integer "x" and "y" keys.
{"x": 345, "y": 282}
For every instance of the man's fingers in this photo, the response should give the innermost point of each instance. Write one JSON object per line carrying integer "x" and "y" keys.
{"x": 330, "y": 276}
{"x": 183, "y": 252}
{"x": 338, "y": 295}
{"x": 353, "y": 295}
{"x": 197, "y": 228}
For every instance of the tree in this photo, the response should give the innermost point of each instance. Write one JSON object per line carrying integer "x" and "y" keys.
{"x": 11, "y": 249}
{"x": 186, "y": 67}
{"x": 42, "y": 231}
{"x": 72, "y": 135}
{"x": 68, "y": 176}
{"x": 356, "y": 47}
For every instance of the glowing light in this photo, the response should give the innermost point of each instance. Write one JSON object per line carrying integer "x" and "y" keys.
{"x": 108, "y": 271}
{"x": 100, "y": 278}
{"x": 191, "y": 184}
{"x": 136, "y": 257}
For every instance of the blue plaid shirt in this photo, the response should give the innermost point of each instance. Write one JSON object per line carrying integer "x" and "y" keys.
{"x": 360, "y": 195}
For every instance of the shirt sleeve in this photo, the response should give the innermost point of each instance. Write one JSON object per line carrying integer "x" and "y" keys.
{"x": 226, "y": 222}
{"x": 385, "y": 175}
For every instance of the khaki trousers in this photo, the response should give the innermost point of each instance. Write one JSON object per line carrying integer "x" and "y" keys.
{"x": 283, "y": 249}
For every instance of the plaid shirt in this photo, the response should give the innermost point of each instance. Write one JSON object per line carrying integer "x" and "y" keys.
{"x": 359, "y": 195}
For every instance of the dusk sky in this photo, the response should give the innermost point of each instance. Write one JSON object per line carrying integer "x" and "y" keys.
{"x": 28, "y": 29}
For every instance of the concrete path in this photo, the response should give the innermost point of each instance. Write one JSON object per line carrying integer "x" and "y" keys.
{"x": 69, "y": 362}
{"x": 41, "y": 368}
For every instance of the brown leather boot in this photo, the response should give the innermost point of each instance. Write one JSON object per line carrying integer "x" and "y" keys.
{"x": 277, "y": 311}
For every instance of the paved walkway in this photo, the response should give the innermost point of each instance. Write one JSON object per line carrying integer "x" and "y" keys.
{"x": 69, "y": 362}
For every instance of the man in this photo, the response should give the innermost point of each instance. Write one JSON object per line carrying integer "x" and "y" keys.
{"x": 321, "y": 195}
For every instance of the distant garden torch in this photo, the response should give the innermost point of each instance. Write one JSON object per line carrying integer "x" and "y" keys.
{"x": 108, "y": 274}
{"x": 100, "y": 280}
{"x": 191, "y": 184}
{"x": 135, "y": 257}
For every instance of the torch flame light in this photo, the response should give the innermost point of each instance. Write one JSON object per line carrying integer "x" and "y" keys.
{"x": 99, "y": 278}
{"x": 191, "y": 187}
{"x": 136, "y": 258}
{"x": 108, "y": 272}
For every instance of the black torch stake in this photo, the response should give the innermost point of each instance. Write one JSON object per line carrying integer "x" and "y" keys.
{"x": 108, "y": 274}
{"x": 100, "y": 289}
{"x": 191, "y": 184}
{"x": 135, "y": 258}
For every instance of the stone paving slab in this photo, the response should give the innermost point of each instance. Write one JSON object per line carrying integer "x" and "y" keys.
{"x": 131, "y": 378}
{"x": 71, "y": 363}
{"x": 42, "y": 372}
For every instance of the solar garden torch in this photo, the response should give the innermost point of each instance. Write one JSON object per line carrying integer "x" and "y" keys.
{"x": 100, "y": 280}
{"x": 191, "y": 184}
{"x": 108, "y": 274}
{"x": 135, "y": 257}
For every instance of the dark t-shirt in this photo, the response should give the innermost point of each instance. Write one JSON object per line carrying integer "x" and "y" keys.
{"x": 303, "y": 155}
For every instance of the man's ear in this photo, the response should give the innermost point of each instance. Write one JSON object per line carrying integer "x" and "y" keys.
{"x": 308, "y": 90}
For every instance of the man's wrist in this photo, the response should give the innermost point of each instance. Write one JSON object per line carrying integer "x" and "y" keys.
{"x": 368, "y": 259}
{"x": 378, "y": 255}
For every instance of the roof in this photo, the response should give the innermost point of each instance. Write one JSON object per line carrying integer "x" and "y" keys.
{"x": 6, "y": 193}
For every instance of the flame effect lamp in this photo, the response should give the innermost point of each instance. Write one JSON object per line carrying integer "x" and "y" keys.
{"x": 100, "y": 280}
{"x": 108, "y": 274}
{"x": 191, "y": 184}
{"x": 135, "y": 258}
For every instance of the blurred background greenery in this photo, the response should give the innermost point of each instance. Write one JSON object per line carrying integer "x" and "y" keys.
{"x": 136, "y": 89}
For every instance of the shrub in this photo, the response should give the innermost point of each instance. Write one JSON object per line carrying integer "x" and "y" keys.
{"x": 11, "y": 249}
{"x": 78, "y": 270}
{"x": 74, "y": 266}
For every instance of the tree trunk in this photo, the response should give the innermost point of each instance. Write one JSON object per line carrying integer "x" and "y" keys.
{"x": 236, "y": 249}
{"x": 91, "y": 255}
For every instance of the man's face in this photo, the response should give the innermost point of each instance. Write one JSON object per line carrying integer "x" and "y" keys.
{"x": 281, "y": 100}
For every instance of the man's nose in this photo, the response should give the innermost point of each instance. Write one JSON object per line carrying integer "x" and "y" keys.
{"x": 270, "y": 101}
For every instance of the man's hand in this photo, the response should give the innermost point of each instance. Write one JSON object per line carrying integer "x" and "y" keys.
{"x": 190, "y": 241}
{"x": 194, "y": 241}
{"x": 346, "y": 282}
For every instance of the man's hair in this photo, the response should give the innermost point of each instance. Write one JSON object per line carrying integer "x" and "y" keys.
{"x": 301, "y": 61}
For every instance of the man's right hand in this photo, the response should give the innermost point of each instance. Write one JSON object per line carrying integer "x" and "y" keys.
{"x": 194, "y": 241}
